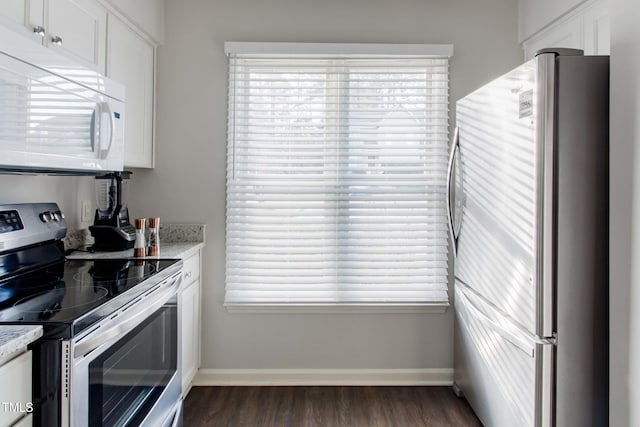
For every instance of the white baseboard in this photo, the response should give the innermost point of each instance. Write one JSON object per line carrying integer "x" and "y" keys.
{"x": 325, "y": 377}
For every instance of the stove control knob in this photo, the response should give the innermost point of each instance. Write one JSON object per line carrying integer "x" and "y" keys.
{"x": 54, "y": 216}
{"x": 45, "y": 216}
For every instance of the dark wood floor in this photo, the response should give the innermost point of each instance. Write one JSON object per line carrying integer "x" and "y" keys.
{"x": 298, "y": 406}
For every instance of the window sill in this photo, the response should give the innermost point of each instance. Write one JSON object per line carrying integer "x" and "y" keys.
{"x": 382, "y": 308}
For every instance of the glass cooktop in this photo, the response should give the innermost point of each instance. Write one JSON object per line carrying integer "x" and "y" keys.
{"x": 68, "y": 296}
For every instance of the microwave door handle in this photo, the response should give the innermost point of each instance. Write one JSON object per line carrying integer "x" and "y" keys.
{"x": 97, "y": 119}
{"x": 94, "y": 127}
{"x": 106, "y": 109}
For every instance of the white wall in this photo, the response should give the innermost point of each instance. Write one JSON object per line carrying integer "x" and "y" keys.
{"x": 625, "y": 214}
{"x": 188, "y": 184}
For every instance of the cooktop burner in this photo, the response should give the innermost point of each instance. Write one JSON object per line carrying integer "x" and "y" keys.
{"x": 73, "y": 294}
{"x": 36, "y": 281}
{"x": 45, "y": 305}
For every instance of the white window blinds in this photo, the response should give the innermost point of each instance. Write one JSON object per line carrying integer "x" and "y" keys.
{"x": 336, "y": 176}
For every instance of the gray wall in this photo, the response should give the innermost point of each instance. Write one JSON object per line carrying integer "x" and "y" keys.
{"x": 188, "y": 184}
{"x": 625, "y": 214}
{"x": 67, "y": 191}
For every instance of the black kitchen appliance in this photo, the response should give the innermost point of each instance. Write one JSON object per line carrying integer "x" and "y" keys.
{"x": 109, "y": 352}
{"x": 111, "y": 227}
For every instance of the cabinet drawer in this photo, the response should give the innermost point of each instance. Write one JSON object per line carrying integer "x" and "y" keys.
{"x": 191, "y": 269}
{"x": 15, "y": 388}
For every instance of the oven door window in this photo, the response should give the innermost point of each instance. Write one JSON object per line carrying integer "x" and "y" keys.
{"x": 128, "y": 378}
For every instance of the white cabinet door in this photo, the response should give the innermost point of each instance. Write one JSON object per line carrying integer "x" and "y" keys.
{"x": 190, "y": 330}
{"x": 14, "y": 11}
{"x": 130, "y": 61}
{"x": 190, "y": 333}
{"x": 566, "y": 35}
{"x": 77, "y": 28}
{"x": 15, "y": 388}
{"x": 24, "y": 16}
{"x": 25, "y": 422}
{"x": 146, "y": 15}
{"x": 597, "y": 29}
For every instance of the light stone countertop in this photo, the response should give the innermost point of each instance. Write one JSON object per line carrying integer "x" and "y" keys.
{"x": 180, "y": 250}
{"x": 15, "y": 338}
{"x": 176, "y": 241}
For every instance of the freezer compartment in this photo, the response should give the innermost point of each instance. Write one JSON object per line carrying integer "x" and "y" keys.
{"x": 504, "y": 373}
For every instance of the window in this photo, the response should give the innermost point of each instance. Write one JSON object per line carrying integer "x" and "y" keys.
{"x": 336, "y": 174}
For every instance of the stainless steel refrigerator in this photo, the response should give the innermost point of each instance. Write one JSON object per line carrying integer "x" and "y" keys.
{"x": 528, "y": 204}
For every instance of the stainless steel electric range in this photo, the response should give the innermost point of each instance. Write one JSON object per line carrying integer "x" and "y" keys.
{"x": 109, "y": 353}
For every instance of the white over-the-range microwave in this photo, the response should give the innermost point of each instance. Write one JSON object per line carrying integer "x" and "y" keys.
{"x": 56, "y": 116}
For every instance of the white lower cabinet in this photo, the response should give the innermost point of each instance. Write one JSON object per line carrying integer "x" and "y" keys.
{"x": 25, "y": 421}
{"x": 190, "y": 302}
{"x": 15, "y": 391}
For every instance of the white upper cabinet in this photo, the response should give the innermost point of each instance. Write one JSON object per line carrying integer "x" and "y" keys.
{"x": 24, "y": 16}
{"x": 148, "y": 16}
{"x": 597, "y": 29}
{"x": 125, "y": 51}
{"x": 584, "y": 27}
{"x": 13, "y": 11}
{"x": 76, "y": 28}
{"x": 130, "y": 61}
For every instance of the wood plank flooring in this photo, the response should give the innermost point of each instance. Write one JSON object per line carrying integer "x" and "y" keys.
{"x": 297, "y": 406}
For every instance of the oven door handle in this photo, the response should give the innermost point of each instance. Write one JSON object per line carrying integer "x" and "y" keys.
{"x": 123, "y": 325}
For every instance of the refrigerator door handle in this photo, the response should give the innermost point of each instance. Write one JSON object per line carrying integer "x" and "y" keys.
{"x": 545, "y": 396}
{"x": 545, "y": 217}
{"x": 450, "y": 212}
